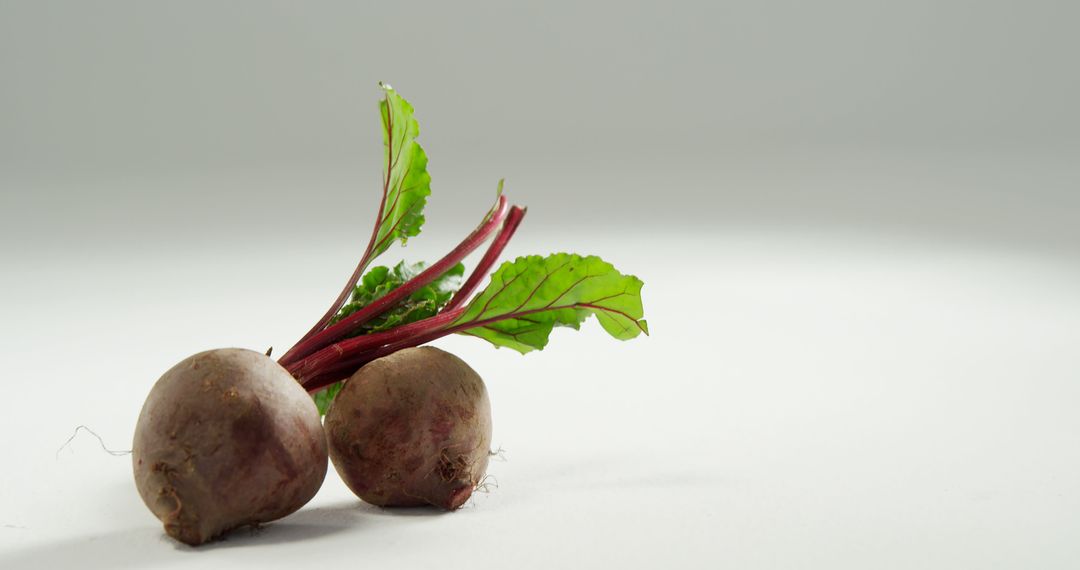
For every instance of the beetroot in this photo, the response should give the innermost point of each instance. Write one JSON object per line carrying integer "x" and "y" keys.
{"x": 410, "y": 429}
{"x": 226, "y": 438}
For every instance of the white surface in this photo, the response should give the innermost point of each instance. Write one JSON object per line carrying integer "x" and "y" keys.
{"x": 829, "y": 400}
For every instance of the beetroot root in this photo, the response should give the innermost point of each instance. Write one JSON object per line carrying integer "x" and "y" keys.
{"x": 227, "y": 438}
{"x": 412, "y": 428}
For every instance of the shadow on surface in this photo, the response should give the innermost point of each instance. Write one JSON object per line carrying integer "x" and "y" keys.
{"x": 135, "y": 546}
{"x": 402, "y": 511}
{"x": 604, "y": 473}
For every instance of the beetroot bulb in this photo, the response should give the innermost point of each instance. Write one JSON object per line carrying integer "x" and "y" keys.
{"x": 410, "y": 429}
{"x": 226, "y": 438}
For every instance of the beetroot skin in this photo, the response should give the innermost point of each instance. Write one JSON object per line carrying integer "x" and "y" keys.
{"x": 412, "y": 428}
{"x": 227, "y": 438}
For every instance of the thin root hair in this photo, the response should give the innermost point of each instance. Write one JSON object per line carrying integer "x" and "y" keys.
{"x": 488, "y": 484}
{"x": 113, "y": 452}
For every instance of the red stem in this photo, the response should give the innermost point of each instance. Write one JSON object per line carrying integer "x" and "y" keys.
{"x": 480, "y": 272}
{"x": 304, "y": 369}
{"x": 345, "y": 366}
{"x": 365, "y": 259}
{"x": 326, "y": 358}
{"x": 342, "y": 328}
{"x": 338, "y": 361}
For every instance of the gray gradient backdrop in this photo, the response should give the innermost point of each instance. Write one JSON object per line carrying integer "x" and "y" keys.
{"x": 856, "y": 220}
{"x": 945, "y": 116}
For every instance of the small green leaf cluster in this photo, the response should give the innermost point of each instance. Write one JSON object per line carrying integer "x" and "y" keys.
{"x": 324, "y": 397}
{"x": 421, "y": 304}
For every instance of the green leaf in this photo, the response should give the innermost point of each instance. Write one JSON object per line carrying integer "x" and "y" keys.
{"x": 406, "y": 182}
{"x": 325, "y": 396}
{"x": 530, "y": 296}
{"x": 421, "y": 304}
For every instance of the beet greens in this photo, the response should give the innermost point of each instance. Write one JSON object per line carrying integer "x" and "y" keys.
{"x": 382, "y": 310}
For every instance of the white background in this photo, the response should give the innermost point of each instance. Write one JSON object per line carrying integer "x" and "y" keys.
{"x": 856, "y": 221}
